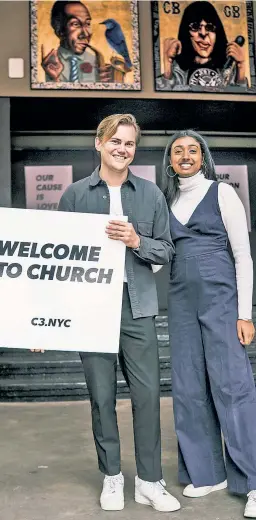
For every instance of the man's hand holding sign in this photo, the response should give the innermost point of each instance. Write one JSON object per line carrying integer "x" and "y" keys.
{"x": 124, "y": 231}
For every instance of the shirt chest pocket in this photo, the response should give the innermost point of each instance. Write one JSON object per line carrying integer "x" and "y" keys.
{"x": 145, "y": 228}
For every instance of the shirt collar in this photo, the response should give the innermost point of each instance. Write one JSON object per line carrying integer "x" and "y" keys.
{"x": 96, "y": 179}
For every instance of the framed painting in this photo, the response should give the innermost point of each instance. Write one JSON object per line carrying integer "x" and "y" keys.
{"x": 92, "y": 45}
{"x": 203, "y": 46}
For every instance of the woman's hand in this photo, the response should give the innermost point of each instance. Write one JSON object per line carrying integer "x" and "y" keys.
{"x": 245, "y": 332}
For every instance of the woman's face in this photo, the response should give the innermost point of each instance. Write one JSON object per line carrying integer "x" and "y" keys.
{"x": 203, "y": 38}
{"x": 186, "y": 156}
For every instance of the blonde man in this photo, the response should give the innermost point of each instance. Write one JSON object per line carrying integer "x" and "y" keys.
{"x": 112, "y": 189}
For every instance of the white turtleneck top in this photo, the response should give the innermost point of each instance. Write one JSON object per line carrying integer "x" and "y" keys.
{"x": 192, "y": 191}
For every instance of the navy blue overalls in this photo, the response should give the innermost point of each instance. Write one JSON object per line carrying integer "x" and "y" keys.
{"x": 213, "y": 387}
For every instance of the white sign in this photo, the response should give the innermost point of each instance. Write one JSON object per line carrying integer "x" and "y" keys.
{"x": 237, "y": 176}
{"x": 45, "y": 185}
{"x": 147, "y": 172}
{"x": 61, "y": 281}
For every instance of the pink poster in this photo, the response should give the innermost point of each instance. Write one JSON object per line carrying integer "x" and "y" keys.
{"x": 45, "y": 185}
{"x": 145, "y": 172}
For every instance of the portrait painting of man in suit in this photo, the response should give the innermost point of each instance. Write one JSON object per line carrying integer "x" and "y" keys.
{"x": 77, "y": 44}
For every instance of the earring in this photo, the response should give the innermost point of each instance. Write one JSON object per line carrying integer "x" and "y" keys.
{"x": 168, "y": 175}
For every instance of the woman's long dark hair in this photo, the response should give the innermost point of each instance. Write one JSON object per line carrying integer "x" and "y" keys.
{"x": 196, "y": 12}
{"x": 170, "y": 186}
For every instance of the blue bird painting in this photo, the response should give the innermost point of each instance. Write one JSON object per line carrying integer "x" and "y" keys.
{"x": 116, "y": 40}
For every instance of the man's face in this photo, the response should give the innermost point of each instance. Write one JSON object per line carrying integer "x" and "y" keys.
{"x": 118, "y": 151}
{"x": 203, "y": 38}
{"x": 78, "y": 29}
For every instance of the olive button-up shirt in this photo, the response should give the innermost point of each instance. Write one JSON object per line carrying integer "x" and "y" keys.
{"x": 145, "y": 206}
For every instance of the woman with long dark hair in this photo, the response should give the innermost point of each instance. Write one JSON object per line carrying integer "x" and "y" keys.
{"x": 210, "y": 309}
{"x": 198, "y": 56}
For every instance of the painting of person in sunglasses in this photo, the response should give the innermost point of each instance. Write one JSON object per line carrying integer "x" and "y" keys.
{"x": 201, "y": 57}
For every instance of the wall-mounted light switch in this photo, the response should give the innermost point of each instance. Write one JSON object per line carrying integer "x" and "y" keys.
{"x": 16, "y": 68}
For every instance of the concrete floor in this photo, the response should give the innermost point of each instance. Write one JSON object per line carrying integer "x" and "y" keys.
{"x": 48, "y": 467}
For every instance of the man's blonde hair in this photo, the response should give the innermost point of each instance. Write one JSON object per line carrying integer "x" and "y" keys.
{"x": 108, "y": 126}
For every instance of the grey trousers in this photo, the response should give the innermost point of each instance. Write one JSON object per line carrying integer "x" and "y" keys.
{"x": 138, "y": 358}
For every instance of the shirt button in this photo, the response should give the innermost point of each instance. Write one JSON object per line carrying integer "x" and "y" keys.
{"x": 104, "y": 196}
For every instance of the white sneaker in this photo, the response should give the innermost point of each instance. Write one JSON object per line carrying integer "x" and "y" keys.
{"x": 196, "y": 492}
{"x": 112, "y": 496}
{"x": 154, "y": 494}
{"x": 250, "y": 508}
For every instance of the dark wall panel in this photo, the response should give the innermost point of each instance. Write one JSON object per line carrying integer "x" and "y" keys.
{"x": 158, "y": 114}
